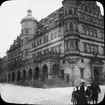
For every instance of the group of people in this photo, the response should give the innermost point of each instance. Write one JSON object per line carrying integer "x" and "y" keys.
{"x": 82, "y": 96}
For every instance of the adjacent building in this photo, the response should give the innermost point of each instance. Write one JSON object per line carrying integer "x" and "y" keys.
{"x": 68, "y": 45}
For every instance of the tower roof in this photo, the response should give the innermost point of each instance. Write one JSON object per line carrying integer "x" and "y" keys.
{"x": 29, "y": 16}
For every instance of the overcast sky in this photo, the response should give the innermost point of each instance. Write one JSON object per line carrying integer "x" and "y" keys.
{"x": 11, "y": 13}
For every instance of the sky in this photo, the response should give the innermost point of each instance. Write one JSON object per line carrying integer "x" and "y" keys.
{"x": 11, "y": 13}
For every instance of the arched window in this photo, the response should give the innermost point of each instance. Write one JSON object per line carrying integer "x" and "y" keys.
{"x": 55, "y": 69}
{"x": 13, "y": 76}
{"x": 8, "y": 77}
{"x": 65, "y": 12}
{"x": 24, "y": 75}
{"x": 70, "y": 11}
{"x": 18, "y": 76}
{"x": 45, "y": 72}
{"x": 30, "y": 74}
{"x": 36, "y": 74}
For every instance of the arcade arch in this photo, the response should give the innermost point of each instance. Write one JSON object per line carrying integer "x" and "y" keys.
{"x": 24, "y": 75}
{"x": 13, "y": 76}
{"x": 36, "y": 73}
{"x": 55, "y": 69}
{"x": 45, "y": 71}
{"x": 30, "y": 74}
{"x": 18, "y": 76}
{"x": 8, "y": 77}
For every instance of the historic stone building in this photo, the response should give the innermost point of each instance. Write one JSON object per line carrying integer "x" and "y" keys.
{"x": 66, "y": 45}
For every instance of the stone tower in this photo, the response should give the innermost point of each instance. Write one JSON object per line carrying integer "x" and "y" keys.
{"x": 71, "y": 35}
{"x": 29, "y": 27}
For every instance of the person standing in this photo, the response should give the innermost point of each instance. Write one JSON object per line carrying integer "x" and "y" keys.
{"x": 88, "y": 94}
{"x": 78, "y": 96}
{"x": 73, "y": 98}
{"x": 83, "y": 99}
{"x": 95, "y": 91}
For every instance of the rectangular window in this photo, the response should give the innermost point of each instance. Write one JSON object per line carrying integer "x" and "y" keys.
{"x": 26, "y": 52}
{"x": 44, "y": 40}
{"x": 32, "y": 45}
{"x": 85, "y": 47}
{"x": 65, "y": 12}
{"x": 52, "y": 36}
{"x": 70, "y": 11}
{"x": 67, "y": 46}
{"x": 92, "y": 49}
{"x": 55, "y": 34}
{"x": 82, "y": 72}
{"x": 70, "y": 26}
{"x": 40, "y": 41}
{"x": 76, "y": 43}
{"x": 39, "y": 53}
{"x": 71, "y": 44}
{"x": 89, "y": 48}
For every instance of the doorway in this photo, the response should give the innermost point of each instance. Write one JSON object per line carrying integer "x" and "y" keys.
{"x": 97, "y": 74}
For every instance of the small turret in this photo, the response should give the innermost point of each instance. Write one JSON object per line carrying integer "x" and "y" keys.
{"x": 29, "y": 24}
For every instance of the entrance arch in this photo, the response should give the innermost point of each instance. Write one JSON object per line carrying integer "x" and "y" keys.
{"x": 30, "y": 74}
{"x": 24, "y": 75}
{"x": 97, "y": 75}
{"x": 18, "y": 76}
{"x": 55, "y": 69}
{"x": 45, "y": 71}
{"x": 36, "y": 74}
{"x": 13, "y": 76}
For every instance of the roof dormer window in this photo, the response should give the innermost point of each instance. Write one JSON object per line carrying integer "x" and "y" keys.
{"x": 55, "y": 13}
{"x": 61, "y": 14}
{"x": 46, "y": 19}
{"x": 46, "y": 27}
{"x": 51, "y": 20}
{"x": 56, "y": 21}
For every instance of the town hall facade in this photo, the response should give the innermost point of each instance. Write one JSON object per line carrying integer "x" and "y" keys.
{"x": 67, "y": 46}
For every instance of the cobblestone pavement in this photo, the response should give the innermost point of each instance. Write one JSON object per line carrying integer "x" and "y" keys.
{"x": 49, "y": 96}
{"x": 66, "y": 99}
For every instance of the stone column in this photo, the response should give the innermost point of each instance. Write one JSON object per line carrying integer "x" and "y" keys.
{"x": 27, "y": 75}
{"x": 32, "y": 74}
{"x": 40, "y": 72}
{"x": 92, "y": 72}
{"x": 50, "y": 71}
{"x": 11, "y": 77}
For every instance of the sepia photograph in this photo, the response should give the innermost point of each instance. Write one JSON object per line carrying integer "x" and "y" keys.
{"x": 52, "y": 52}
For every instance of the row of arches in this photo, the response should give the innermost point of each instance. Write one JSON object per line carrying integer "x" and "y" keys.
{"x": 30, "y": 74}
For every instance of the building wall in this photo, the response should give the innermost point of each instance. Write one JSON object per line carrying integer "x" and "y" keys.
{"x": 82, "y": 33}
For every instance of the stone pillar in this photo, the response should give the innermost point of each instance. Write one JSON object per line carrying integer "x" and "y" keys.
{"x": 11, "y": 77}
{"x": 27, "y": 76}
{"x": 92, "y": 72}
{"x": 50, "y": 70}
{"x": 32, "y": 75}
{"x": 40, "y": 73}
{"x": 20, "y": 76}
{"x": 15, "y": 77}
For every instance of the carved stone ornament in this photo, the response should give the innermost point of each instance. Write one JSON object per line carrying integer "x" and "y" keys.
{"x": 73, "y": 60}
{"x": 80, "y": 28}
